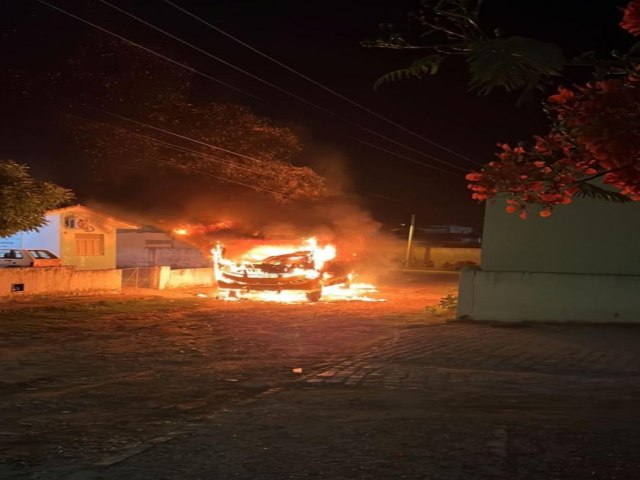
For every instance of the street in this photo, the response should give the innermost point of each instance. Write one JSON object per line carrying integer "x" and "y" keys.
{"x": 201, "y": 388}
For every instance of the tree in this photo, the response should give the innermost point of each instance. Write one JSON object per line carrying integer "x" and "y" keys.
{"x": 595, "y": 127}
{"x": 124, "y": 80}
{"x": 24, "y": 201}
{"x": 232, "y": 146}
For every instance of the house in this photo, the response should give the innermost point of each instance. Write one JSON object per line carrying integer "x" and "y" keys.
{"x": 150, "y": 247}
{"x": 80, "y": 236}
{"x": 580, "y": 264}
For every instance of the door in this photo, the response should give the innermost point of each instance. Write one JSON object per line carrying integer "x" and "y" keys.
{"x": 12, "y": 258}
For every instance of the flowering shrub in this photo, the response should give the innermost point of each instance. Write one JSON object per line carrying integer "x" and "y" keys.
{"x": 545, "y": 174}
{"x": 631, "y": 18}
{"x": 596, "y": 133}
{"x": 604, "y": 117}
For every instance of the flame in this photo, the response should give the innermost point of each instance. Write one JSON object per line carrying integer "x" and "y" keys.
{"x": 356, "y": 292}
{"x": 329, "y": 285}
{"x": 202, "y": 229}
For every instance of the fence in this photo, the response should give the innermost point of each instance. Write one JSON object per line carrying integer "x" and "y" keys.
{"x": 141, "y": 277}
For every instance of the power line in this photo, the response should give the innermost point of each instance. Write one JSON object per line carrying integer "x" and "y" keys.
{"x": 400, "y": 156}
{"x": 182, "y": 149}
{"x": 273, "y": 192}
{"x": 153, "y": 52}
{"x": 204, "y": 155}
{"x": 318, "y": 84}
{"x": 287, "y": 92}
{"x": 168, "y": 132}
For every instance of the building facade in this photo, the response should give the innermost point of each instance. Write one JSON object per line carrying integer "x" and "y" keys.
{"x": 82, "y": 237}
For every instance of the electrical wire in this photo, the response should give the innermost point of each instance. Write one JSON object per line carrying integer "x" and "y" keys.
{"x": 179, "y": 148}
{"x": 182, "y": 149}
{"x": 318, "y": 84}
{"x": 153, "y": 52}
{"x": 400, "y": 156}
{"x": 168, "y": 132}
{"x": 276, "y": 87}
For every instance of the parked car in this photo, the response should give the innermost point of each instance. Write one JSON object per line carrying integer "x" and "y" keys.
{"x": 15, "y": 258}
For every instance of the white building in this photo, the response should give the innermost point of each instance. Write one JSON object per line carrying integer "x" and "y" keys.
{"x": 150, "y": 248}
{"x": 80, "y": 236}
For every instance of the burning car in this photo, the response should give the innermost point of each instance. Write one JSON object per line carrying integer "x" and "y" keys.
{"x": 308, "y": 271}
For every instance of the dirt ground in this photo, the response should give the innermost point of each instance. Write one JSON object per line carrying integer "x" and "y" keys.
{"x": 85, "y": 385}
{"x": 177, "y": 387}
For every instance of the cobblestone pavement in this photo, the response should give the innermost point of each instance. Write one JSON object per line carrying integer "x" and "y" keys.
{"x": 452, "y": 401}
{"x": 476, "y": 355}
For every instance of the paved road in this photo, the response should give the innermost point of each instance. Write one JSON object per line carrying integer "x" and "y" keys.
{"x": 475, "y": 354}
{"x": 142, "y": 392}
{"x": 452, "y": 401}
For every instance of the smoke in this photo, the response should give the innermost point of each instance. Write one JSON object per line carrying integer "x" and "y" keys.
{"x": 242, "y": 219}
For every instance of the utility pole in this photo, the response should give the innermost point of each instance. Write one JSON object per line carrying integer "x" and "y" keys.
{"x": 412, "y": 227}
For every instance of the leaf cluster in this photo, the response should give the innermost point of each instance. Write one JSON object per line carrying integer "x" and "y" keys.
{"x": 25, "y": 200}
{"x": 514, "y": 63}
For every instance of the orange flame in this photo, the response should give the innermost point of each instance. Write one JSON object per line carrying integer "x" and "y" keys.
{"x": 248, "y": 266}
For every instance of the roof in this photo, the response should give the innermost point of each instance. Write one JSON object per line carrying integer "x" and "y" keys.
{"x": 118, "y": 223}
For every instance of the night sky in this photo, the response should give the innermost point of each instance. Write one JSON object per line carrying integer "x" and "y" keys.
{"x": 321, "y": 40}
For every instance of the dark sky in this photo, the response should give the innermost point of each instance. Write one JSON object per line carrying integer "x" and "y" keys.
{"x": 321, "y": 40}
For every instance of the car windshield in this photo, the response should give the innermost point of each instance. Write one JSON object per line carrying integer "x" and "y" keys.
{"x": 42, "y": 254}
{"x": 293, "y": 259}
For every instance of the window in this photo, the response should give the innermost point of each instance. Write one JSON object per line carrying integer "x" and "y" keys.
{"x": 14, "y": 254}
{"x": 89, "y": 244}
{"x": 42, "y": 254}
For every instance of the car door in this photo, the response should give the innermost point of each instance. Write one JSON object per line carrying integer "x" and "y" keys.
{"x": 11, "y": 258}
{"x": 5, "y": 257}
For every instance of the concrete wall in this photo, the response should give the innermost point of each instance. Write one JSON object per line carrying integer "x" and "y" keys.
{"x": 440, "y": 256}
{"x": 526, "y": 296}
{"x": 187, "y": 277}
{"x": 421, "y": 255}
{"x": 147, "y": 249}
{"x": 57, "y": 281}
{"x": 588, "y": 236}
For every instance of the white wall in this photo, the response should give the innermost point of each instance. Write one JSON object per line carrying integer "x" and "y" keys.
{"x": 135, "y": 249}
{"x": 580, "y": 264}
{"x": 526, "y": 296}
{"x": 189, "y": 277}
{"x": 46, "y": 237}
{"x": 588, "y": 236}
{"x": 57, "y": 281}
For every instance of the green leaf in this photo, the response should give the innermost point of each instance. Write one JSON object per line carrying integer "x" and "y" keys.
{"x": 429, "y": 65}
{"x": 635, "y": 49}
{"x": 588, "y": 190}
{"x": 512, "y": 63}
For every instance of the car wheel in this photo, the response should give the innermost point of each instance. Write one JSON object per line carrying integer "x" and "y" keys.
{"x": 314, "y": 296}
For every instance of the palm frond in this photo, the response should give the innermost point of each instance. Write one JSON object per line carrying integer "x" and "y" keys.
{"x": 589, "y": 190}
{"x": 428, "y": 65}
{"x": 512, "y": 63}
